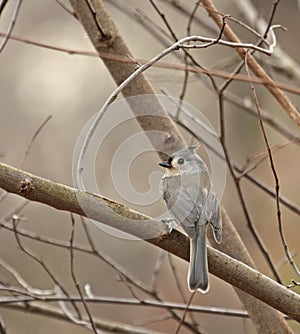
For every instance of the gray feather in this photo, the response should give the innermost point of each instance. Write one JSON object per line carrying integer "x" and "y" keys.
{"x": 183, "y": 198}
{"x": 198, "y": 271}
{"x": 213, "y": 215}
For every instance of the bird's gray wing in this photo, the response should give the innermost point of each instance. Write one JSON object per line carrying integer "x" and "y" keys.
{"x": 212, "y": 214}
{"x": 184, "y": 204}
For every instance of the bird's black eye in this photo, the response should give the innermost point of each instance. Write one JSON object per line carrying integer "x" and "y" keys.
{"x": 180, "y": 161}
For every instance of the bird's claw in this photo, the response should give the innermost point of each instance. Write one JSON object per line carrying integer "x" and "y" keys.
{"x": 169, "y": 222}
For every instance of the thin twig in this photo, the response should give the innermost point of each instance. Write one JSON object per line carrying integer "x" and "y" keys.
{"x": 157, "y": 269}
{"x": 186, "y": 72}
{"x": 270, "y": 21}
{"x": 177, "y": 279}
{"x": 185, "y": 313}
{"x": 92, "y": 324}
{"x": 104, "y": 35}
{"x": 22, "y": 281}
{"x": 180, "y": 287}
{"x": 11, "y": 25}
{"x": 256, "y": 159}
{"x": 153, "y": 319}
{"x": 25, "y": 297}
{"x": 67, "y": 9}
{"x": 293, "y": 285}
{"x": 275, "y": 175}
{"x": 211, "y": 41}
{"x": 32, "y": 140}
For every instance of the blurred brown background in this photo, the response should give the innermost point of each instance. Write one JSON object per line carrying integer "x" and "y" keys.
{"x": 38, "y": 82}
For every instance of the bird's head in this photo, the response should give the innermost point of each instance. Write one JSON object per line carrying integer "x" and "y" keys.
{"x": 183, "y": 161}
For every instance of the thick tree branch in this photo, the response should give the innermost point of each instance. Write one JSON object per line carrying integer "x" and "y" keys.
{"x": 119, "y": 216}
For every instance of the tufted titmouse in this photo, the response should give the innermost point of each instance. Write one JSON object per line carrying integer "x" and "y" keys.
{"x": 190, "y": 199}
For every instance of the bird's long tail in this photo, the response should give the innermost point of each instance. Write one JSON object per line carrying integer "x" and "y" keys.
{"x": 198, "y": 271}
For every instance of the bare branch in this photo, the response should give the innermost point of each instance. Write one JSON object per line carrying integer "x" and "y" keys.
{"x": 11, "y": 25}
{"x": 276, "y": 178}
{"x": 91, "y": 323}
{"x": 280, "y": 60}
{"x": 253, "y": 64}
{"x": 23, "y": 283}
{"x": 233, "y": 271}
{"x": 25, "y": 154}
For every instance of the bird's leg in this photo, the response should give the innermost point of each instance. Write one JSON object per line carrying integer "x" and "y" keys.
{"x": 170, "y": 222}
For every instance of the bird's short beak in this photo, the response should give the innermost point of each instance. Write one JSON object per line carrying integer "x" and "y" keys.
{"x": 165, "y": 164}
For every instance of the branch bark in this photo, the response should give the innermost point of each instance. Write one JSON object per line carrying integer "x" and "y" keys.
{"x": 106, "y": 211}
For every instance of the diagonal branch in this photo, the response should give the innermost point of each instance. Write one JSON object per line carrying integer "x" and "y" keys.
{"x": 282, "y": 99}
{"x": 111, "y": 213}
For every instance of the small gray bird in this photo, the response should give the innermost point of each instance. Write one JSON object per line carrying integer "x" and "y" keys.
{"x": 191, "y": 201}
